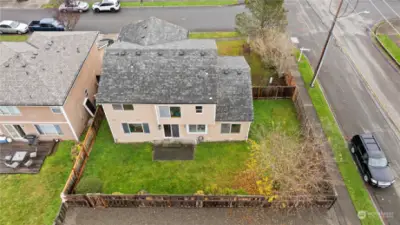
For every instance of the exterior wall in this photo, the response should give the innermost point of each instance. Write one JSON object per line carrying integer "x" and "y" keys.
{"x": 86, "y": 80}
{"x": 29, "y": 128}
{"x": 147, "y": 114}
{"x": 34, "y": 114}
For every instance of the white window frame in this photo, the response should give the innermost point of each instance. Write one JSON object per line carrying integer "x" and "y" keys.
{"x": 188, "y": 130}
{"x": 141, "y": 123}
{"x": 122, "y": 107}
{"x": 230, "y": 128}
{"x": 8, "y": 111}
{"x": 57, "y": 108}
{"x": 169, "y": 111}
{"x": 201, "y": 107}
{"x": 49, "y": 134}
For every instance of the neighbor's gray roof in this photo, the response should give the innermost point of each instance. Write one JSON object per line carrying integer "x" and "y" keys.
{"x": 177, "y": 72}
{"x": 234, "y": 95}
{"x": 152, "y": 31}
{"x": 42, "y": 70}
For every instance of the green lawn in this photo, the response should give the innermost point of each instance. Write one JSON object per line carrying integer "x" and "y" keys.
{"x": 128, "y": 168}
{"x": 390, "y": 46}
{"x": 350, "y": 174}
{"x": 35, "y": 199}
{"x": 13, "y": 37}
{"x": 213, "y": 35}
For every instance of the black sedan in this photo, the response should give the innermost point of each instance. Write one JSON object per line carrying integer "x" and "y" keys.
{"x": 371, "y": 161}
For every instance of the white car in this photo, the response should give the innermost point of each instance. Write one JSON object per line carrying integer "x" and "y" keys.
{"x": 13, "y": 27}
{"x": 106, "y": 5}
{"x": 75, "y": 6}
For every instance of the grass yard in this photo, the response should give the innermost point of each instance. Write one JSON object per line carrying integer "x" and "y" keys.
{"x": 350, "y": 174}
{"x": 35, "y": 199}
{"x": 128, "y": 168}
{"x": 390, "y": 46}
{"x": 13, "y": 37}
{"x": 213, "y": 35}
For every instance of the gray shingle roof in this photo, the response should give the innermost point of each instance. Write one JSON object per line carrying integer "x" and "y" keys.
{"x": 177, "y": 72}
{"x": 152, "y": 31}
{"x": 234, "y": 95}
{"x": 42, "y": 70}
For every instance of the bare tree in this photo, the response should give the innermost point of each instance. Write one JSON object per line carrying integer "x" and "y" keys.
{"x": 274, "y": 48}
{"x": 263, "y": 14}
{"x": 287, "y": 169}
{"x": 68, "y": 18}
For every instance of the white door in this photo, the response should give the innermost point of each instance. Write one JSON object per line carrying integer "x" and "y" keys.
{"x": 15, "y": 131}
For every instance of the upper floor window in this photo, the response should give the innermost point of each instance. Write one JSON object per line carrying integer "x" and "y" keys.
{"x": 230, "y": 128}
{"x": 56, "y": 110}
{"x": 170, "y": 111}
{"x": 9, "y": 110}
{"x": 135, "y": 128}
{"x": 122, "y": 106}
{"x": 197, "y": 128}
{"x": 199, "y": 109}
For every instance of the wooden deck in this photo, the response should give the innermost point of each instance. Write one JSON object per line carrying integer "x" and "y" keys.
{"x": 43, "y": 150}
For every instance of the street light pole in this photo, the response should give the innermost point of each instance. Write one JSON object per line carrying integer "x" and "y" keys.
{"x": 328, "y": 39}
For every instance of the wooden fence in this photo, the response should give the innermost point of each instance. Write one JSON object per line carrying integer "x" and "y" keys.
{"x": 61, "y": 214}
{"x": 273, "y": 92}
{"x": 85, "y": 149}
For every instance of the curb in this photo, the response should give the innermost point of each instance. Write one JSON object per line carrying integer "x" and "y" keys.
{"x": 161, "y": 6}
{"x": 381, "y": 45}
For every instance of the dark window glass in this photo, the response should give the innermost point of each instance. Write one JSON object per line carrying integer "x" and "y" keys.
{"x": 128, "y": 107}
{"x": 235, "y": 128}
{"x": 167, "y": 130}
{"x": 146, "y": 128}
{"x": 225, "y": 128}
{"x": 125, "y": 127}
{"x": 39, "y": 129}
{"x": 175, "y": 112}
{"x": 199, "y": 109}
{"x": 136, "y": 128}
{"x": 117, "y": 106}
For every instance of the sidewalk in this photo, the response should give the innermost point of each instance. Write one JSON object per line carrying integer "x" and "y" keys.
{"x": 30, "y": 4}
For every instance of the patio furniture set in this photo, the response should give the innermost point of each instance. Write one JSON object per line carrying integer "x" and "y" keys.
{"x": 24, "y": 158}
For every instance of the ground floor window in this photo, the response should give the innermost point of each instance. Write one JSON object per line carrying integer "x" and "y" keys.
{"x": 135, "y": 128}
{"x": 230, "y": 128}
{"x": 197, "y": 128}
{"x": 49, "y": 129}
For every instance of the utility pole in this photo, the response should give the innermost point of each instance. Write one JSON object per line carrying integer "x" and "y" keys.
{"x": 328, "y": 39}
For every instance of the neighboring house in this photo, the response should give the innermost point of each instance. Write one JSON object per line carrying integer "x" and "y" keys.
{"x": 47, "y": 84}
{"x": 157, "y": 84}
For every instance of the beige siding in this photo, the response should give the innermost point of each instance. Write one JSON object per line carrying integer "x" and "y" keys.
{"x": 86, "y": 80}
{"x": 34, "y": 114}
{"x": 30, "y": 129}
{"x": 149, "y": 114}
{"x": 189, "y": 115}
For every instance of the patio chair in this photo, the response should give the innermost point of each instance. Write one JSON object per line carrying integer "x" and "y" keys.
{"x": 28, "y": 163}
{"x": 13, "y": 165}
{"x": 32, "y": 139}
{"x": 33, "y": 154}
{"x": 8, "y": 158}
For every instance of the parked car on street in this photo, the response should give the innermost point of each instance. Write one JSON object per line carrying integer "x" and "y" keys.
{"x": 106, "y": 6}
{"x": 75, "y": 6}
{"x": 13, "y": 27}
{"x": 46, "y": 24}
{"x": 371, "y": 161}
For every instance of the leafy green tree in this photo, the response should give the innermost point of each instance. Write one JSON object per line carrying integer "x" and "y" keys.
{"x": 264, "y": 14}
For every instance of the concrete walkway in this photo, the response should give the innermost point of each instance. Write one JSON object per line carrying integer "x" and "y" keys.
{"x": 204, "y": 216}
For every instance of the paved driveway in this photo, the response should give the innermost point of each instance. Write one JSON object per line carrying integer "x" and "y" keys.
{"x": 176, "y": 216}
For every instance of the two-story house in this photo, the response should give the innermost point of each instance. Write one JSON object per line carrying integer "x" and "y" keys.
{"x": 47, "y": 84}
{"x": 157, "y": 84}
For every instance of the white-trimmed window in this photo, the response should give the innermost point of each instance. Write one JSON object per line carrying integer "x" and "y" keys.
{"x": 135, "y": 128}
{"x": 169, "y": 111}
{"x": 199, "y": 109}
{"x": 9, "y": 111}
{"x": 125, "y": 107}
{"x": 197, "y": 129}
{"x": 56, "y": 110}
{"x": 230, "y": 128}
{"x": 49, "y": 129}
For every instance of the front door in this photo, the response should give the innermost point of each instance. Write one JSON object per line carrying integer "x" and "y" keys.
{"x": 15, "y": 131}
{"x": 171, "y": 130}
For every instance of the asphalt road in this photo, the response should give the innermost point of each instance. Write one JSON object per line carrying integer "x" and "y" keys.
{"x": 359, "y": 83}
{"x": 344, "y": 78}
{"x": 195, "y": 18}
